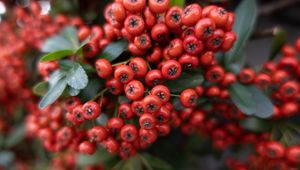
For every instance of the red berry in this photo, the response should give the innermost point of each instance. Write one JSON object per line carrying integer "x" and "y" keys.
{"x": 152, "y": 103}
{"x": 191, "y": 14}
{"x": 134, "y": 90}
{"x": 162, "y": 92}
{"x": 91, "y": 110}
{"x": 188, "y": 98}
{"x": 87, "y": 147}
{"x": 123, "y": 73}
{"x": 171, "y": 69}
{"x": 104, "y": 68}
{"x": 97, "y": 134}
{"x": 129, "y": 133}
{"x": 147, "y": 121}
{"x": 139, "y": 67}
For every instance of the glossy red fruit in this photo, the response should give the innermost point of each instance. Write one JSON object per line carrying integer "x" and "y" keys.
{"x": 162, "y": 92}
{"x": 104, "y": 68}
{"x": 192, "y": 45}
{"x": 139, "y": 67}
{"x": 91, "y": 110}
{"x": 138, "y": 108}
{"x": 188, "y": 98}
{"x": 134, "y": 90}
{"x": 147, "y": 121}
{"x": 134, "y": 6}
{"x": 124, "y": 111}
{"x": 129, "y": 133}
{"x": 153, "y": 78}
{"x": 293, "y": 154}
{"x": 159, "y": 6}
{"x": 171, "y": 69}
{"x": 215, "y": 74}
{"x": 173, "y": 18}
{"x": 97, "y": 134}
{"x": 205, "y": 28}
{"x": 115, "y": 124}
{"x": 87, "y": 147}
{"x": 114, "y": 86}
{"x": 123, "y": 73}
{"x": 148, "y": 136}
{"x": 134, "y": 24}
{"x": 142, "y": 41}
{"x": 191, "y": 14}
{"x": 152, "y": 104}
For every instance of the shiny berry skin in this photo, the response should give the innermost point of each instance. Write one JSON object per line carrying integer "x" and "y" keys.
{"x": 216, "y": 40}
{"x": 127, "y": 150}
{"x": 134, "y": 6}
{"x": 289, "y": 89}
{"x": 138, "y": 108}
{"x": 205, "y": 28}
{"x": 135, "y": 50}
{"x": 163, "y": 115}
{"x": 153, "y": 78}
{"x": 142, "y": 41}
{"x": 162, "y": 92}
{"x": 139, "y": 67}
{"x": 173, "y": 17}
{"x": 91, "y": 110}
{"x": 246, "y": 76}
{"x": 90, "y": 50}
{"x": 215, "y": 74}
{"x": 192, "y": 45}
{"x": 77, "y": 114}
{"x": 124, "y": 111}
{"x": 148, "y": 136}
{"x": 147, "y": 121}
{"x": 87, "y": 147}
{"x": 97, "y": 134}
{"x": 297, "y": 44}
{"x": 115, "y": 123}
{"x": 118, "y": 11}
{"x": 129, "y": 133}
{"x": 229, "y": 78}
{"x": 230, "y": 21}
{"x": 114, "y": 86}
{"x": 150, "y": 18}
{"x": 191, "y": 14}
{"x": 188, "y": 98}
{"x": 159, "y": 6}
{"x": 134, "y": 90}
{"x": 293, "y": 154}
{"x": 207, "y": 58}
{"x": 152, "y": 103}
{"x": 134, "y": 24}
{"x": 71, "y": 102}
{"x": 175, "y": 48}
{"x": 155, "y": 55}
{"x": 273, "y": 150}
{"x": 206, "y": 10}
{"x": 280, "y": 77}
{"x": 123, "y": 73}
{"x": 159, "y": 32}
{"x": 229, "y": 39}
{"x": 83, "y": 33}
{"x": 197, "y": 118}
{"x": 188, "y": 62}
{"x": 111, "y": 145}
{"x": 289, "y": 109}
{"x": 171, "y": 69}
{"x": 219, "y": 15}
{"x": 104, "y": 68}
{"x": 163, "y": 129}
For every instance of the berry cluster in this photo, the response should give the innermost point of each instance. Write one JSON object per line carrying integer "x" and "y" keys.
{"x": 165, "y": 41}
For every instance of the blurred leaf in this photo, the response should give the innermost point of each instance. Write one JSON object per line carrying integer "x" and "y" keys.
{"x": 177, "y": 105}
{"x": 54, "y": 92}
{"x": 255, "y": 124}
{"x": 76, "y": 77}
{"x": 40, "y": 89}
{"x": 15, "y": 136}
{"x": 101, "y": 156}
{"x": 245, "y": 18}
{"x": 114, "y": 50}
{"x": 264, "y": 107}
{"x": 92, "y": 88}
{"x": 145, "y": 162}
{"x": 179, "y": 3}
{"x": 238, "y": 64}
{"x": 70, "y": 33}
{"x": 84, "y": 42}
{"x": 157, "y": 163}
{"x": 242, "y": 98}
{"x": 73, "y": 92}
{"x": 6, "y": 158}
{"x": 279, "y": 40}
{"x": 133, "y": 163}
{"x": 56, "y": 55}
{"x": 185, "y": 81}
{"x": 56, "y": 43}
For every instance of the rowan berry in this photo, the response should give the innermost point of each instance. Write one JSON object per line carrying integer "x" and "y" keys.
{"x": 160, "y": 32}
{"x": 159, "y": 6}
{"x": 173, "y": 17}
{"x": 123, "y": 73}
{"x": 134, "y": 24}
{"x": 162, "y": 92}
{"x": 134, "y": 90}
{"x": 191, "y": 14}
{"x": 97, "y": 134}
{"x": 192, "y": 45}
{"x": 219, "y": 15}
{"x": 124, "y": 111}
{"x": 91, "y": 110}
{"x": 188, "y": 98}
{"x": 188, "y": 62}
{"x": 104, "y": 68}
{"x": 147, "y": 121}
{"x": 139, "y": 67}
{"x": 87, "y": 147}
{"x": 153, "y": 78}
{"x": 142, "y": 41}
{"x": 115, "y": 124}
{"x": 138, "y": 108}
{"x": 215, "y": 74}
{"x": 205, "y": 28}
{"x": 134, "y": 6}
{"x": 114, "y": 86}
{"x": 152, "y": 104}
{"x": 129, "y": 133}
{"x": 171, "y": 69}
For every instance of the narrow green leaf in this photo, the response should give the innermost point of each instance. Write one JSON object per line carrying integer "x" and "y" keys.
{"x": 56, "y": 55}
{"x": 255, "y": 125}
{"x": 157, "y": 163}
{"x": 54, "y": 92}
{"x": 133, "y": 163}
{"x": 186, "y": 80}
{"x": 15, "y": 137}
{"x": 114, "y": 50}
{"x": 246, "y": 14}
{"x": 179, "y": 3}
{"x": 100, "y": 156}
{"x": 56, "y": 43}
{"x": 279, "y": 40}
{"x": 242, "y": 98}
{"x": 264, "y": 107}
{"x": 40, "y": 89}
{"x": 70, "y": 33}
{"x": 145, "y": 162}
{"x": 73, "y": 92}
{"x": 77, "y": 77}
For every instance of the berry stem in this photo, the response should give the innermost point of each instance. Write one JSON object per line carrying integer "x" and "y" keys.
{"x": 175, "y": 95}
{"x": 120, "y": 63}
{"x": 99, "y": 94}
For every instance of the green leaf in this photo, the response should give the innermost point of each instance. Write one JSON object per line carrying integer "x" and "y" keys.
{"x": 84, "y": 42}
{"x": 186, "y": 80}
{"x": 56, "y": 89}
{"x": 6, "y": 158}
{"x": 56, "y": 43}
{"x": 133, "y": 163}
{"x": 255, "y": 125}
{"x": 15, "y": 136}
{"x": 242, "y": 98}
{"x": 77, "y": 77}
{"x": 40, "y": 89}
{"x": 179, "y": 3}
{"x": 70, "y": 34}
{"x": 56, "y": 55}
{"x": 73, "y": 92}
{"x": 245, "y": 18}
{"x": 114, "y": 50}
{"x": 90, "y": 90}
{"x": 157, "y": 163}
{"x": 264, "y": 107}
{"x": 100, "y": 156}
{"x": 279, "y": 40}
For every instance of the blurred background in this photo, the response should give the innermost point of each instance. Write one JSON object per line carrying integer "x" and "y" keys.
{"x": 273, "y": 15}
